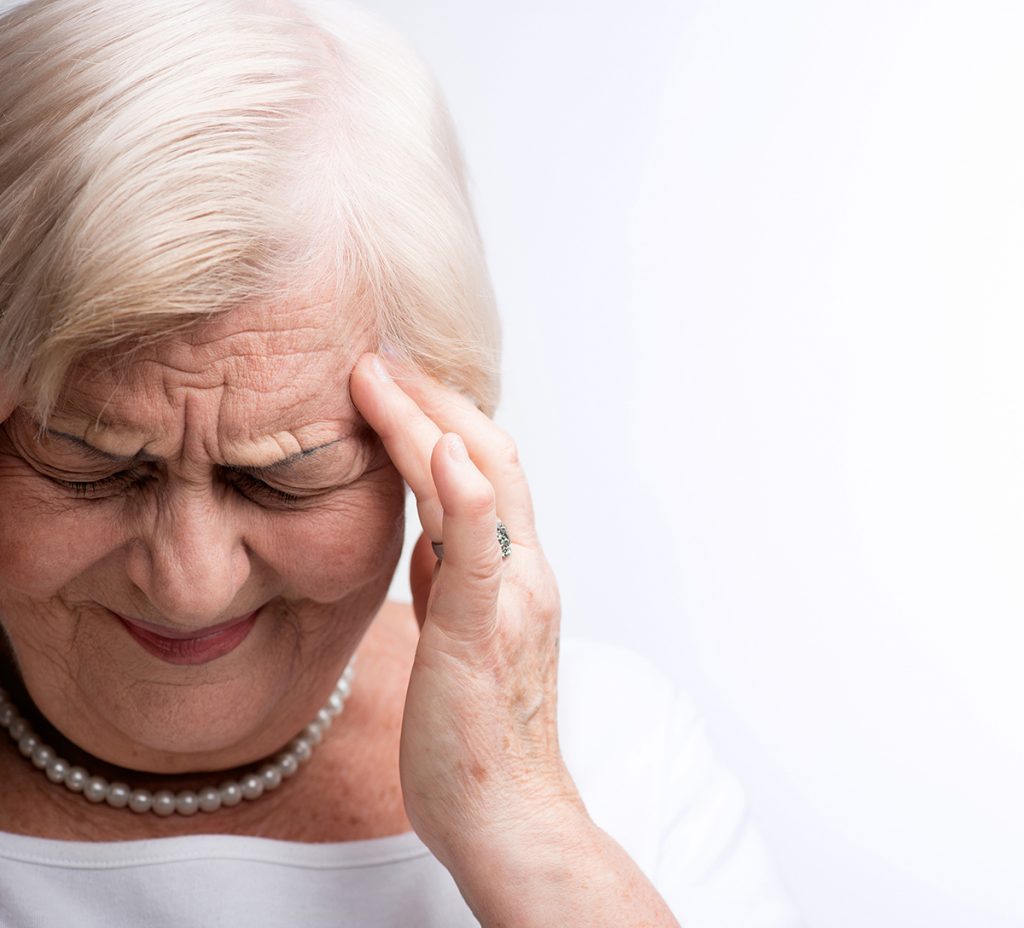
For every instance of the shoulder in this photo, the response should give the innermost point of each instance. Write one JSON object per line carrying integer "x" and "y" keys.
{"x": 608, "y": 672}
{"x": 616, "y": 722}
{"x": 612, "y": 697}
{"x": 642, "y": 760}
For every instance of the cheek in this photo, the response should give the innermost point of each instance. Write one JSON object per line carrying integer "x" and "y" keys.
{"x": 355, "y": 540}
{"x": 45, "y": 542}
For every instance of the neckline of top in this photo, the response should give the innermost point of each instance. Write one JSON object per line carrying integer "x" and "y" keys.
{"x": 107, "y": 855}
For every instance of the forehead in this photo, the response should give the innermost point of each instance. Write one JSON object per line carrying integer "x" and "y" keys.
{"x": 245, "y": 374}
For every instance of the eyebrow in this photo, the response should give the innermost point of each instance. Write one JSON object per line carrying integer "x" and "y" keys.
{"x": 83, "y": 445}
{"x": 285, "y": 461}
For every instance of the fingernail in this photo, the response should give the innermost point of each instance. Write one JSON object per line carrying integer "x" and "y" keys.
{"x": 457, "y": 449}
{"x": 380, "y": 370}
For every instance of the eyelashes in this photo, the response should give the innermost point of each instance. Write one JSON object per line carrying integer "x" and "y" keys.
{"x": 85, "y": 489}
{"x": 250, "y": 487}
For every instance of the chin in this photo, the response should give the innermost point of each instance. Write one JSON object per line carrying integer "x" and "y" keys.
{"x": 128, "y": 707}
{"x": 191, "y": 719}
{"x": 180, "y": 729}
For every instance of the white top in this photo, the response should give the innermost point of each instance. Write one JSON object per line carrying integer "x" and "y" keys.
{"x": 634, "y": 745}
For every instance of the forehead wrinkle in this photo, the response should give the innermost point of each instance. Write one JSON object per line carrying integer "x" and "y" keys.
{"x": 266, "y": 380}
{"x": 142, "y": 455}
{"x": 253, "y": 387}
{"x": 287, "y": 330}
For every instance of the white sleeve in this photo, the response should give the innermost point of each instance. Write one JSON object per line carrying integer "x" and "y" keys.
{"x": 712, "y": 866}
{"x": 637, "y": 749}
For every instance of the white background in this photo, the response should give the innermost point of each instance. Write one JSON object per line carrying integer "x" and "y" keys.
{"x": 760, "y": 268}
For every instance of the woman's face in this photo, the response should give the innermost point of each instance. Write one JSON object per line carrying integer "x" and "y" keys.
{"x": 223, "y": 477}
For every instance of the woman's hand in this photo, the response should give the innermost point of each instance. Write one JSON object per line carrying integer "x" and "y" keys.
{"x": 482, "y": 776}
{"x": 479, "y": 749}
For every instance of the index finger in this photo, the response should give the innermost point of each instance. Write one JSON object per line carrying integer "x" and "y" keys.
{"x": 491, "y": 448}
{"x": 408, "y": 434}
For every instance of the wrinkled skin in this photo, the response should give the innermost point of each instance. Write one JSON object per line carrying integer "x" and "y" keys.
{"x": 184, "y": 538}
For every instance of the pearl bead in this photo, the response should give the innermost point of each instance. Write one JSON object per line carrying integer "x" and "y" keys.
{"x": 209, "y": 799}
{"x": 230, "y": 793}
{"x": 325, "y": 717}
{"x": 288, "y": 763}
{"x": 7, "y": 714}
{"x": 28, "y": 744}
{"x": 302, "y": 749}
{"x": 186, "y": 803}
{"x": 42, "y": 755}
{"x": 271, "y": 774}
{"x": 164, "y": 802}
{"x": 18, "y": 727}
{"x": 96, "y": 789}
{"x": 57, "y": 769}
{"x": 76, "y": 778}
{"x": 334, "y": 702}
{"x": 252, "y": 786}
{"x": 118, "y": 795}
{"x": 344, "y": 689}
{"x": 141, "y": 800}
{"x": 313, "y": 733}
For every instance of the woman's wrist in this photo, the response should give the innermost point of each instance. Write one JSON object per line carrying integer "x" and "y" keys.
{"x": 556, "y": 867}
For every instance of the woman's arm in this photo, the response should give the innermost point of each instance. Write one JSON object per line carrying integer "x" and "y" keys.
{"x": 483, "y": 779}
{"x": 563, "y": 873}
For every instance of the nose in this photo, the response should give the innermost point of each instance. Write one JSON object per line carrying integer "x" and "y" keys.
{"x": 190, "y": 560}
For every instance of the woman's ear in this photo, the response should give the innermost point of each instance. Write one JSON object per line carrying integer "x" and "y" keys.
{"x": 422, "y": 568}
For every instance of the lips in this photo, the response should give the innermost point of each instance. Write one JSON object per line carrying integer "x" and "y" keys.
{"x": 176, "y": 647}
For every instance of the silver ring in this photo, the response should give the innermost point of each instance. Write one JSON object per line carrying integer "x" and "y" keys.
{"x": 504, "y": 542}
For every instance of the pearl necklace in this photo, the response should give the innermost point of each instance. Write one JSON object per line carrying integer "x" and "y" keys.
{"x": 167, "y": 802}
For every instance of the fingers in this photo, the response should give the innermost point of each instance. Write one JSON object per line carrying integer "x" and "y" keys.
{"x": 407, "y": 408}
{"x": 408, "y": 435}
{"x": 490, "y": 447}
{"x": 465, "y": 596}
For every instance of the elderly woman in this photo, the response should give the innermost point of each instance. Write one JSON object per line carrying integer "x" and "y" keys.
{"x": 243, "y": 306}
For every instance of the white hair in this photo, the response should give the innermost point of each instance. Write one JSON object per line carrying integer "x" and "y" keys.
{"x": 163, "y": 160}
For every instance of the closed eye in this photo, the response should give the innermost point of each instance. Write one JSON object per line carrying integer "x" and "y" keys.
{"x": 253, "y": 487}
{"x": 91, "y": 488}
